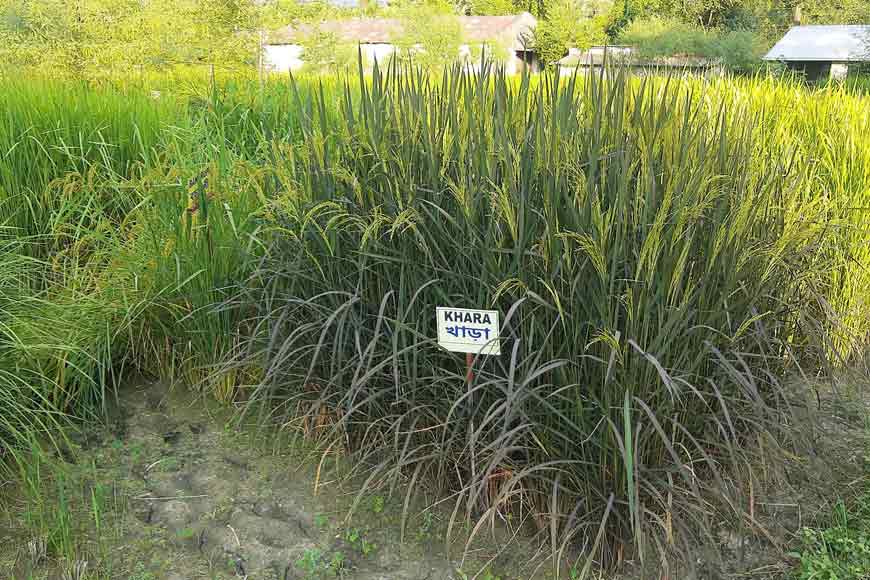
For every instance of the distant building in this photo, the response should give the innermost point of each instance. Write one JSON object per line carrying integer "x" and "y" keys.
{"x": 377, "y": 39}
{"x": 823, "y": 52}
{"x": 595, "y": 57}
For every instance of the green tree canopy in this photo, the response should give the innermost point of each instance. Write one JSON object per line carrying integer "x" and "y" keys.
{"x": 431, "y": 33}
{"x": 93, "y": 37}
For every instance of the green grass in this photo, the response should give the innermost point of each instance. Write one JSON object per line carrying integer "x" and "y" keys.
{"x": 663, "y": 253}
{"x": 64, "y": 515}
{"x": 841, "y": 551}
{"x": 836, "y": 545}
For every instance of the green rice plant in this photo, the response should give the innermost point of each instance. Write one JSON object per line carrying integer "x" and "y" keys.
{"x": 63, "y": 511}
{"x": 67, "y": 154}
{"x": 48, "y": 513}
{"x": 27, "y": 411}
{"x": 196, "y": 234}
{"x": 58, "y": 140}
{"x": 823, "y": 131}
{"x": 654, "y": 257}
{"x": 94, "y": 179}
{"x": 662, "y": 252}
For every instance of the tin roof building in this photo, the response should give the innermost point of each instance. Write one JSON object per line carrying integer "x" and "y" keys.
{"x": 377, "y": 39}
{"x": 823, "y": 51}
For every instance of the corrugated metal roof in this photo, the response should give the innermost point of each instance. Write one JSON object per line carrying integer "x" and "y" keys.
{"x": 387, "y": 30}
{"x": 823, "y": 43}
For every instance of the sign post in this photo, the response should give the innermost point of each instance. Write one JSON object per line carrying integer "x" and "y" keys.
{"x": 469, "y": 331}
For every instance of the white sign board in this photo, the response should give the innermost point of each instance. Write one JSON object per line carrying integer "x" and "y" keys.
{"x": 466, "y": 330}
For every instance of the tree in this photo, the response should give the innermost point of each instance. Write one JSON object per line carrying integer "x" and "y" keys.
{"x": 226, "y": 30}
{"x": 493, "y": 7}
{"x": 90, "y": 38}
{"x": 431, "y": 34}
{"x": 324, "y": 53}
{"x": 571, "y": 24}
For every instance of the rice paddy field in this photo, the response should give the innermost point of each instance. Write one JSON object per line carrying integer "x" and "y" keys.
{"x": 676, "y": 262}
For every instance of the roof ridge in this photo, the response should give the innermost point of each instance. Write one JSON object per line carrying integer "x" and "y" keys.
{"x": 822, "y": 43}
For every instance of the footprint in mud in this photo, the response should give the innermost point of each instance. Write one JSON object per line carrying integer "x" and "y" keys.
{"x": 257, "y": 544}
{"x": 209, "y": 505}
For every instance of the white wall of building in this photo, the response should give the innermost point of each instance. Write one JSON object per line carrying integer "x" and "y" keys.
{"x": 471, "y": 54}
{"x": 839, "y": 71}
{"x": 290, "y": 57}
{"x": 379, "y": 52}
{"x": 282, "y": 57}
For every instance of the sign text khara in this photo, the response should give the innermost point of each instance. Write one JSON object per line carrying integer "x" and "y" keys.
{"x": 467, "y": 330}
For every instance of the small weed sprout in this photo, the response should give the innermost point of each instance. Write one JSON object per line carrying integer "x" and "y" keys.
{"x": 378, "y": 503}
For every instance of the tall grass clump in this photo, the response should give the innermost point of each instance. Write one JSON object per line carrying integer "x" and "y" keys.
{"x": 131, "y": 211}
{"x": 67, "y": 149}
{"x": 654, "y": 269}
{"x": 27, "y": 413}
{"x": 195, "y": 237}
{"x": 823, "y": 132}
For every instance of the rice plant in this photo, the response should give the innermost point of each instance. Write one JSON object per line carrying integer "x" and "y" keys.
{"x": 28, "y": 411}
{"x": 662, "y": 252}
{"x": 94, "y": 188}
{"x": 60, "y": 143}
{"x": 656, "y": 270}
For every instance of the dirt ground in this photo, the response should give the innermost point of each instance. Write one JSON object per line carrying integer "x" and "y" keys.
{"x": 196, "y": 497}
{"x": 189, "y": 495}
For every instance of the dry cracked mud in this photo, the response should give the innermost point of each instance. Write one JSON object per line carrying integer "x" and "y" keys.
{"x": 190, "y": 495}
{"x": 201, "y": 498}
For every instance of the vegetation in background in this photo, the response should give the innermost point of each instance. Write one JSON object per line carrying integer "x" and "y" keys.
{"x": 570, "y": 24}
{"x": 657, "y": 38}
{"x": 324, "y": 53}
{"x": 766, "y": 16}
{"x": 98, "y": 38}
{"x": 431, "y": 34}
{"x": 716, "y": 29}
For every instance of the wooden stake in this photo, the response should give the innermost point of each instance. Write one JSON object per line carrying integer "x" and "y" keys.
{"x": 469, "y": 364}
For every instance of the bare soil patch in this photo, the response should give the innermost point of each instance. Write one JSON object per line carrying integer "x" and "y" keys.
{"x": 200, "y": 498}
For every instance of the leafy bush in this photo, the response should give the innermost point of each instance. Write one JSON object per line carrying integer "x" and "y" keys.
{"x": 324, "y": 52}
{"x": 656, "y": 38}
{"x": 842, "y": 551}
{"x": 431, "y": 34}
{"x": 567, "y": 26}
{"x": 99, "y": 38}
